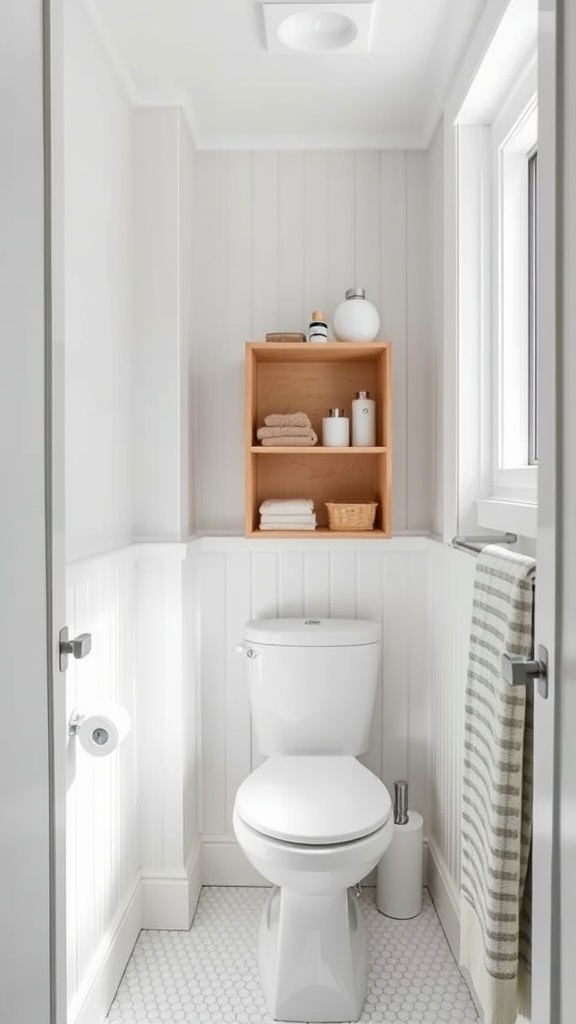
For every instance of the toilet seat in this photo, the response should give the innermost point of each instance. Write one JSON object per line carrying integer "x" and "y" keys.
{"x": 313, "y": 801}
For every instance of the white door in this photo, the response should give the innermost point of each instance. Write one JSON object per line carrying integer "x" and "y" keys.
{"x": 32, "y": 940}
{"x": 564, "y": 889}
{"x": 554, "y": 930}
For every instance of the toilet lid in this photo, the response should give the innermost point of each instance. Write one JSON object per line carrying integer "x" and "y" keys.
{"x": 313, "y": 800}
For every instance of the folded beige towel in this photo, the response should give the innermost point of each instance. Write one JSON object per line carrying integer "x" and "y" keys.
{"x": 285, "y": 526}
{"x": 289, "y": 419}
{"x": 304, "y": 519}
{"x": 290, "y": 506}
{"x": 283, "y": 432}
{"x": 310, "y": 439}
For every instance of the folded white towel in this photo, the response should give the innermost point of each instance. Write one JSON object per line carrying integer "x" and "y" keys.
{"x": 290, "y": 506}
{"x": 286, "y": 526}
{"x": 305, "y": 519}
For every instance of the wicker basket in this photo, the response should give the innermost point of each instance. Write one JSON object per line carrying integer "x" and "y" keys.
{"x": 351, "y": 516}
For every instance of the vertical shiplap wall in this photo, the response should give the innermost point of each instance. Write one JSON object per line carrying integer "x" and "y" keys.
{"x": 240, "y": 581}
{"x": 435, "y": 163}
{"x": 451, "y": 582}
{"x": 188, "y": 373}
{"x": 278, "y": 234}
{"x": 98, "y": 223}
{"x": 163, "y": 374}
{"x": 102, "y": 792}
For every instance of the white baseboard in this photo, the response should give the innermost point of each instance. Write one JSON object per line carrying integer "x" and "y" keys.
{"x": 194, "y": 871}
{"x": 170, "y": 895}
{"x": 445, "y": 896}
{"x": 157, "y": 899}
{"x": 93, "y": 1001}
{"x": 223, "y": 863}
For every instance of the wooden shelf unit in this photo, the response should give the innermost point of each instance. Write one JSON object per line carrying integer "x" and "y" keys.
{"x": 313, "y": 378}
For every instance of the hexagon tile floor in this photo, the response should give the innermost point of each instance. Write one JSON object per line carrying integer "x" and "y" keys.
{"x": 209, "y": 975}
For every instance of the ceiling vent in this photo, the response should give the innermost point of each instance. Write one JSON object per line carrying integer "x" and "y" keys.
{"x": 318, "y": 27}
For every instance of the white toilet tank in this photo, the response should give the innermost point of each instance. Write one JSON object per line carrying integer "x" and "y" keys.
{"x": 312, "y": 684}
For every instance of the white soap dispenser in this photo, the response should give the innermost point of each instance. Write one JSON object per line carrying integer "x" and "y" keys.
{"x": 335, "y": 429}
{"x": 363, "y": 421}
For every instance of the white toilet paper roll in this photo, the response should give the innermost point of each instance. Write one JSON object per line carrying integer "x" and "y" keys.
{"x": 101, "y": 727}
{"x": 399, "y": 874}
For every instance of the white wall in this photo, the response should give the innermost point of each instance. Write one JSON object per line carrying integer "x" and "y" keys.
{"x": 132, "y": 819}
{"x": 168, "y": 840}
{"x": 278, "y": 235}
{"x": 435, "y": 202}
{"x": 187, "y": 354}
{"x": 98, "y": 293}
{"x": 449, "y": 617}
{"x": 163, "y": 183}
{"x": 102, "y": 795}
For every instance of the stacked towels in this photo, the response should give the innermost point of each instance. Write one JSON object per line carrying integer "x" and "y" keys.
{"x": 293, "y": 428}
{"x": 287, "y": 514}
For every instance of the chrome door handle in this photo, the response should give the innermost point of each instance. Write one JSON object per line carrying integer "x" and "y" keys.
{"x": 79, "y": 647}
{"x": 518, "y": 671}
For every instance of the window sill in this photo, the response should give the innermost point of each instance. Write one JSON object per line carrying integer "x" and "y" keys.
{"x": 520, "y": 517}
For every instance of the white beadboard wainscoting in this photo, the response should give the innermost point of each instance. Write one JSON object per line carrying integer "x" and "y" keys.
{"x": 132, "y": 836}
{"x": 103, "y": 912}
{"x": 451, "y": 581}
{"x": 151, "y": 823}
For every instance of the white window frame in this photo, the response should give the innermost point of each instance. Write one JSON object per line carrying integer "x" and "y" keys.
{"x": 513, "y": 137}
{"x": 503, "y": 52}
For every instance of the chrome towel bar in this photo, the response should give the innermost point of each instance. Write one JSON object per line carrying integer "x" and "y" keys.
{"x": 476, "y": 544}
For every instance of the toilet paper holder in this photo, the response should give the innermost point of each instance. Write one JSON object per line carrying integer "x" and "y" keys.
{"x": 99, "y": 735}
{"x": 99, "y": 728}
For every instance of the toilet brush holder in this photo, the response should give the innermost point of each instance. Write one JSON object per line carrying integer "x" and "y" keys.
{"x": 399, "y": 873}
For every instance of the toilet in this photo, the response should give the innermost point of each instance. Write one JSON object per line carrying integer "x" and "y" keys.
{"x": 311, "y": 818}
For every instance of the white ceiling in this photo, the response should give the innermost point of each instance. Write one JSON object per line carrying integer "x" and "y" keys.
{"x": 210, "y": 56}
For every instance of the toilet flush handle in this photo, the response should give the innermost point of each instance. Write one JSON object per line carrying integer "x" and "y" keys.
{"x": 248, "y": 651}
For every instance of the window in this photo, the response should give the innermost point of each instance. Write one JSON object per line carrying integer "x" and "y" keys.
{"x": 491, "y": 169}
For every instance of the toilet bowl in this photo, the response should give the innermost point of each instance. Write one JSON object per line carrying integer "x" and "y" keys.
{"x": 311, "y": 818}
{"x": 314, "y": 827}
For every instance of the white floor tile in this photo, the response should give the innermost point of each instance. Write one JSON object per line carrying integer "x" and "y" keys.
{"x": 209, "y": 975}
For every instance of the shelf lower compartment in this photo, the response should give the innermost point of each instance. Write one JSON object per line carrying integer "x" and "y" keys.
{"x": 361, "y": 475}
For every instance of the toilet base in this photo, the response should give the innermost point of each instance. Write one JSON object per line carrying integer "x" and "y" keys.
{"x": 313, "y": 956}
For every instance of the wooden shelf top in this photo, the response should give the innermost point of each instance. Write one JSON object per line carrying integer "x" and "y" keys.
{"x": 320, "y": 449}
{"x": 325, "y": 351}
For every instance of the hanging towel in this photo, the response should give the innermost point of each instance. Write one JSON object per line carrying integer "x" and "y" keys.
{"x": 495, "y": 921}
{"x": 287, "y": 419}
{"x": 288, "y": 506}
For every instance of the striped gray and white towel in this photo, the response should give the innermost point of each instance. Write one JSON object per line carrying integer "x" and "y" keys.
{"x": 497, "y": 790}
